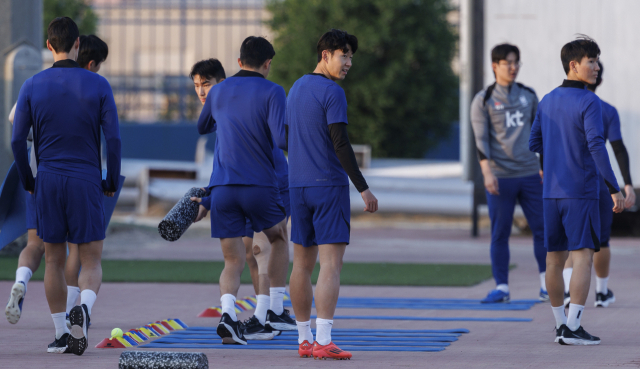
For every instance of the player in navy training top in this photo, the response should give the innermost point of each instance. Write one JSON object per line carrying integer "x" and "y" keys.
{"x": 67, "y": 106}
{"x": 206, "y": 74}
{"x": 91, "y": 54}
{"x": 247, "y": 112}
{"x": 568, "y": 130}
{"x": 320, "y": 158}
{"x": 602, "y": 259}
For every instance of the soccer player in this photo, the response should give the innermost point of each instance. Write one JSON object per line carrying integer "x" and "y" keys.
{"x": 67, "y": 106}
{"x": 501, "y": 117}
{"x": 92, "y": 53}
{"x": 602, "y": 259}
{"x": 205, "y": 74}
{"x": 568, "y": 130}
{"x": 320, "y": 159}
{"x": 247, "y": 112}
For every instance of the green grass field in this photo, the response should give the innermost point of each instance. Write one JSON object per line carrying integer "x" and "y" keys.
{"x": 363, "y": 274}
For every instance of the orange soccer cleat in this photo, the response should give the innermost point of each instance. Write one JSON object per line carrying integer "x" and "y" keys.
{"x": 305, "y": 349}
{"x": 330, "y": 351}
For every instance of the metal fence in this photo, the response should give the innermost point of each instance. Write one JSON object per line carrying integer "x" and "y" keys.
{"x": 153, "y": 44}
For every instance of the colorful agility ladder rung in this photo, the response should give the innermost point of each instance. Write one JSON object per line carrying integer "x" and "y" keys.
{"x": 138, "y": 336}
{"x": 244, "y": 304}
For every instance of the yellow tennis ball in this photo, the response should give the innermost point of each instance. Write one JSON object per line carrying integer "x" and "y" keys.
{"x": 116, "y": 332}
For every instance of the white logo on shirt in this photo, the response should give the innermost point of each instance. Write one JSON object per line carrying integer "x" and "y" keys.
{"x": 498, "y": 106}
{"x": 523, "y": 100}
{"x": 514, "y": 120}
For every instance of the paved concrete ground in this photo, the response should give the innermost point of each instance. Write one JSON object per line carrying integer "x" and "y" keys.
{"x": 489, "y": 345}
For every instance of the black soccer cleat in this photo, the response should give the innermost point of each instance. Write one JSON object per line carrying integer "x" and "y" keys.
{"x": 231, "y": 332}
{"x": 604, "y": 300}
{"x": 282, "y": 322}
{"x": 79, "y": 320}
{"x": 559, "y": 334}
{"x": 577, "y": 337}
{"x": 254, "y": 330}
{"x": 59, "y": 345}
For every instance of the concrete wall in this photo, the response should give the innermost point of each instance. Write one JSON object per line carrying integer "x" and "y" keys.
{"x": 540, "y": 28}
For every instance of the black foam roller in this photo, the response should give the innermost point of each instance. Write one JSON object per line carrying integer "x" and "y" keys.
{"x": 181, "y": 216}
{"x": 162, "y": 360}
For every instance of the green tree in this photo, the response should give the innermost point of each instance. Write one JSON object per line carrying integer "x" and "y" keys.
{"x": 401, "y": 90}
{"x": 78, "y": 10}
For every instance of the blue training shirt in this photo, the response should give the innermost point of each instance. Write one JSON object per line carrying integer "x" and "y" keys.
{"x": 247, "y": 112}
{"x": 568, "y": 130}
{"x": 611, "y": 121}
{"x": 67, "y": 106}
{"x": 315, "y": 102}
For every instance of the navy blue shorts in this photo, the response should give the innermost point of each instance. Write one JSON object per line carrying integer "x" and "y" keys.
{"x": 284, "y": 195}
{"x": 32, "y": 220}
{"x": 320, "y": 215}
{"x": 571, "y": 224}
{"x": 606, "y": 214}
{"x": 68, "y": 209}
{"x": 233, "y": 205}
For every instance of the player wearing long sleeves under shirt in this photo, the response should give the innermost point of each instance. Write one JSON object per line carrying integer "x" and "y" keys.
{"x": 568, "y": 130}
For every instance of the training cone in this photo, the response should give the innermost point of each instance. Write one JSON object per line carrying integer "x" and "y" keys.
{"x": 113, "y": 343}
{"x": 212, "y": 312}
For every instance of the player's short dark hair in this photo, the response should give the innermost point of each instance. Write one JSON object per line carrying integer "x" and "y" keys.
{"x": 599, "y": 79}
{"x": 255, "y": 51}
{"x": 500, "y": 52}
{"x": 336, "y": 40}
{"x": 62, "y": 33}
{"x": 578, "y": 49}
{"x": 92, "y": 48}
{"x": 210, "y": 68}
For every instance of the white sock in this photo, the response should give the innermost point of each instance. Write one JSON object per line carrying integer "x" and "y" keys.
{"x": 23, "y": 274}
{"x": 59, "y": 320}
{"x": 72, "y": 296}
{"x": 228, "y": 302}
{"x": 323, "y": 331}
{"x": 277, "y": 296}
{"x": 503, "y": 287}
{"x": 88, "y": 298}
{"x": 261, "y": 308}
{"x": 566, "y": 275}
{"x": 304, "y": 332}
{"x": 575, "y": 314}
{"x": 558, "y": 313}
{"x": 543, "y": 283}
{"x": 601, "y": 285}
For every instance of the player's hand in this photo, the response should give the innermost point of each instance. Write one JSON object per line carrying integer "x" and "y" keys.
{"x": 541, "y": 174}
{"x": 630, "y": 198}
{"x": 370, "y": 201}
{"x": 618, "y": 202}
{"x": 30, "y": 192}
{"x": 202, "y": 211}
{"x": 109, "y": 193}
{"x": 491, "y": 183}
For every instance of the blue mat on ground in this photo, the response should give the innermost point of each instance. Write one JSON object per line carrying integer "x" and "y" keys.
{"x": 426, "y": 304}
{"x": 333, "y": 330}
{"x": 353, "y": 341}
{"x": 424, "y": 318}
{"x": 287, "y": 347}
{"x": 406, "y": 338}
{"x": 201, "y": 334}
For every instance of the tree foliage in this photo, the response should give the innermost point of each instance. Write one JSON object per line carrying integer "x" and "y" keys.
{"x": 78, "y": 10}
{"x": 401, "y": 90}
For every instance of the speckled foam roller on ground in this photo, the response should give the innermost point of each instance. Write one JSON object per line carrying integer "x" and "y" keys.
{"x": 181, "y": 216}
{"x": 163, "y": 360}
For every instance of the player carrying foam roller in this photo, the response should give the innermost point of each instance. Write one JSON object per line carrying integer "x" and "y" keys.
{"x": 602, "y": 259}
{"x": 67, "y": 106}
{"x": 568, "y": 130}
{"x": 92, "y": 53}
{"x": 247, "y": 112}
{"x": 320, "y": 158}
{"x": 501, "y": 117}
{"x": 205, "y": 74}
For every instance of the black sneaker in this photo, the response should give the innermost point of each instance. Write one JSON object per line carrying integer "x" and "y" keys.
{"x": 603, "y": 300}
{"x": 254, "y": 330}
{"x": 282, "y": 322}
{"x": 577, "y": 337}
{"x": 559, "y": 334}
{"x": 231, "y": 332}
{"x": 567, "y": 299}
{"x": 59, "y": 345}
{"x": 79, "y": 320}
